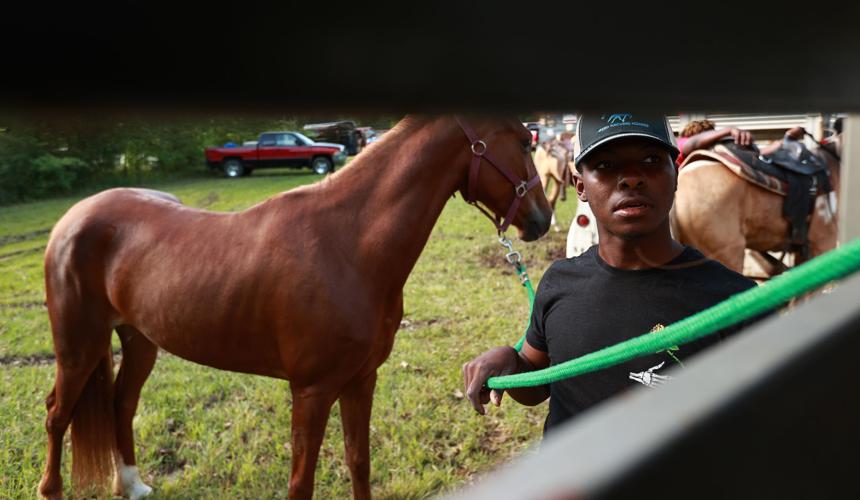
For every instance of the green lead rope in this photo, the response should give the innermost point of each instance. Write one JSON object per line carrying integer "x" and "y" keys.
{"x": 524, "y": 278}
{"x": 514, "y": 258}
{"x": 833, "y": 265}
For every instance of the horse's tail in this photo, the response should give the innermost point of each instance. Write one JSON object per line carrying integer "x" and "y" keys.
{"x": 93, "y": 433}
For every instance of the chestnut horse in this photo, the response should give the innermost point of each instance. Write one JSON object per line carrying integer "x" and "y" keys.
{"x": 722, "y": 214}
{"x": 306, "y": 286}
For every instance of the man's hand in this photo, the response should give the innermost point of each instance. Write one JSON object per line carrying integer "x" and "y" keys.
{"x": 741, "y": 137}
{"x": 493, "y": 363}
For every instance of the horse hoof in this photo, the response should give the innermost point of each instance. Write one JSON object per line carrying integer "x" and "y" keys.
{"x": 50, "y": 489}
{"x": 135, "y": 491}
{"x": 139, "y": 490}
{"x": 127, "y": 482}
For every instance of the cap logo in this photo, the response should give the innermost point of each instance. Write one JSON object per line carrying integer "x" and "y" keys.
{"x": 618, "y": 118}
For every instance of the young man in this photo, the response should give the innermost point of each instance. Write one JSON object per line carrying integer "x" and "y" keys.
{"x": 638, "y": 279}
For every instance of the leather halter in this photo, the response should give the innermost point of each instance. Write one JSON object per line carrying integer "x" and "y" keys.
{"x": 521, "y": 187}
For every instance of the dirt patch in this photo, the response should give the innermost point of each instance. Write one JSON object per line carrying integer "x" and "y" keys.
{"x": 540, "y": 253}
{"x": 15, "y": 238}
{"x": 32, "y": 360}
{"x": 22, "y": 252}
{"x": 42, "y": 359}
{"x": 556, "y": 252}
{"x": 409, "y": 325}
{"x": 493, "y": 257}
{"x": 492, "y": 439}
{"x": 24, "y": 305}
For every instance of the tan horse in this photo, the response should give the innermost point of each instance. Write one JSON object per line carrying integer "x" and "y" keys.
{"x": 306, "y": 286}
{"x": 722, "y": 214}
{"x": 552, "y": 160}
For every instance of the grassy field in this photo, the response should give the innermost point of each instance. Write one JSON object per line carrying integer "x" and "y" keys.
{"x": 204, "y": 433}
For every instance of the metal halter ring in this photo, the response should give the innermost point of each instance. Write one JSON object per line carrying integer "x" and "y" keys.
{"x": 483, "y": 147}
{"x": 522, "y": 188}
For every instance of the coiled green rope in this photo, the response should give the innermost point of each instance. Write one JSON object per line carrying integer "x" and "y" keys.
{"x": 833, "y": 265}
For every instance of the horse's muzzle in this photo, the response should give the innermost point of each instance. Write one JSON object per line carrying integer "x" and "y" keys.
{"x": 534, "y": 225}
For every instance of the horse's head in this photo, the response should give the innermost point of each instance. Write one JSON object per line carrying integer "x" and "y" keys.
{"x": 501, "y": 175}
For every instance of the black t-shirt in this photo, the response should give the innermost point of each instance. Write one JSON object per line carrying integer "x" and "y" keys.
{"x": 583, "y": 304}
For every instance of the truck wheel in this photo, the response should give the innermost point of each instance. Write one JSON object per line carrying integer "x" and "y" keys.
{"x": 233, "y": 168}
{"x": 321, "y": 165}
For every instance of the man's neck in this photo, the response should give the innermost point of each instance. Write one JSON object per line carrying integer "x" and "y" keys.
{"x": 643, "y": 252}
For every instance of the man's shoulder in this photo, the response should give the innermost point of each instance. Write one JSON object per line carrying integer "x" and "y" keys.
{"x": 580, "y": 263}
{"x": 562, "y": 271}
{"x": 713, "y": 271}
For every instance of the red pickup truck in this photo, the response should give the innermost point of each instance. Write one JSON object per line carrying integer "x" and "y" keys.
{"x": 276, "y": 149}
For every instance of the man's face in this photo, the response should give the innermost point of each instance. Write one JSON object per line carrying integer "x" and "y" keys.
{"x": 630, "y": 185}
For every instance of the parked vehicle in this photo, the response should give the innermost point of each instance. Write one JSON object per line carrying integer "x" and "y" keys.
{"x": 371, "y": 134}
{"x": 376, "y": 135}
{"x": 343, "y": 132}
{"x": 367, "y": 135}
{"x": 276, "y": 149}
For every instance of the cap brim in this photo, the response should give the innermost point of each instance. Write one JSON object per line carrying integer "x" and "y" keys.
{"x": 674, "y": 151}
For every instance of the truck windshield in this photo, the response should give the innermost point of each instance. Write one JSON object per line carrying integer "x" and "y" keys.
{"x": 303, "y": 138}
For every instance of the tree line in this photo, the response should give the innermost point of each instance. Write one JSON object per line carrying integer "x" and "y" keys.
{"x": 43, "y": 156}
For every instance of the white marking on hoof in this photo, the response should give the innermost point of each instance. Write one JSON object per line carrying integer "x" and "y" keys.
{"x": 127, "y": 482}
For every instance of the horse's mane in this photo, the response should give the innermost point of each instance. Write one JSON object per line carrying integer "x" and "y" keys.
{"x": 371, "y": 154}
{"x": 374, "y": 151}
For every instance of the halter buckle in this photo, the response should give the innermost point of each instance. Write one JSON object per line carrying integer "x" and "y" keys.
{"x": 521, "y": 189}
{"x": 483, "y": 148}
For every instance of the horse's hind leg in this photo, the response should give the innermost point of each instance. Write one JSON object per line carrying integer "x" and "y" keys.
{"x": 60, "y": 403}
{"x": 79, "y": 388}
{"x": 355, "y": 406}
{"x": 553, "y": 198}
{"x": 311, "y": 408}
{"x": 138, "y": 358}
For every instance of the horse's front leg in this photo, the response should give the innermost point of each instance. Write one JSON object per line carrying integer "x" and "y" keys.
{"x": 311, "y": 407}
{"x": 356, "y": 401}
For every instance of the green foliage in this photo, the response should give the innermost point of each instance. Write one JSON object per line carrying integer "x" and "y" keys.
{"x": 45, "y": 156}
{"x": 27, "y": 166}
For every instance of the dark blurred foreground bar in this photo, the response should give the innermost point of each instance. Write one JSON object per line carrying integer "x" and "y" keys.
{"x": 301, "y": 57}
{"x": 774, "y": 413}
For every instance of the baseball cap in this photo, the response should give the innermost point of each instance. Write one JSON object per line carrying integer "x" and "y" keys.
{"x": 593, "y": 130}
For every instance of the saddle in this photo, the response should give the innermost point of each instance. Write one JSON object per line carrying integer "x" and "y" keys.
{"x": 792, "y": 172}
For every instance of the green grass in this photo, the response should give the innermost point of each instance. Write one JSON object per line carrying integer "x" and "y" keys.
{"x": 205, "y": 433}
